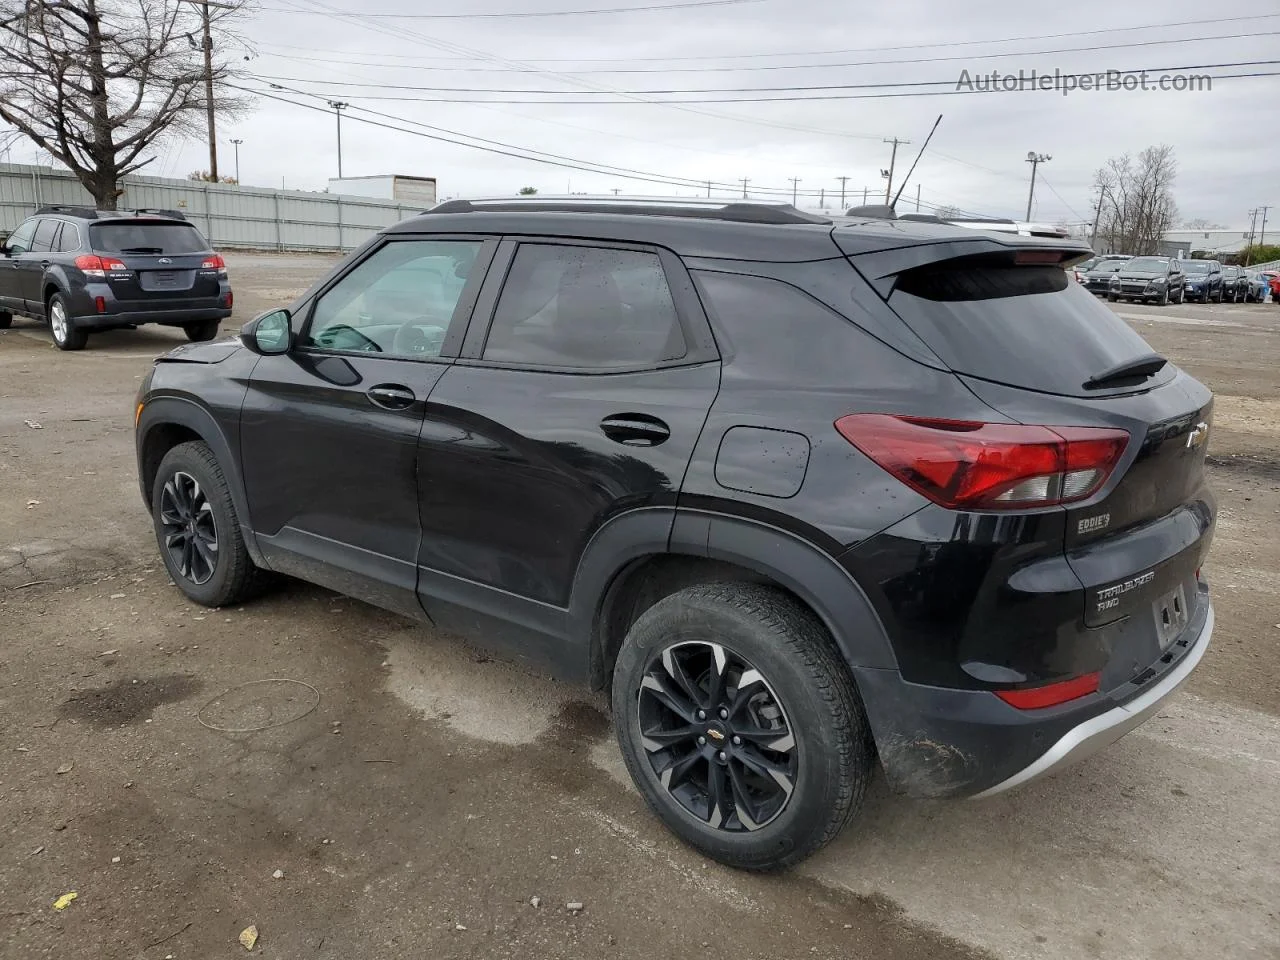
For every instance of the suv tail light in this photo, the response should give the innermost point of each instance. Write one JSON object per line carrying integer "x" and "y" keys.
{"x": 214, "y": 262}
{"x": 95, "y": 266}
{"x": 965, "y": 464}
{"x": 1050, "y": 695}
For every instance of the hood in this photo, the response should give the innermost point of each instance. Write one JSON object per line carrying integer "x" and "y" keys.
{"x": 1139, "y": 275}
{"x": 213, "y": 352}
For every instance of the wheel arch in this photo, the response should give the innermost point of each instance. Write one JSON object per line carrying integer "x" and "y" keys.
{"x": 630, "y": 565}
{"x": 166, "y": 422}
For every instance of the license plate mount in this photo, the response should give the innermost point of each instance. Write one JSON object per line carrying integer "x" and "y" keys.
{"x": 1170, "y": 612}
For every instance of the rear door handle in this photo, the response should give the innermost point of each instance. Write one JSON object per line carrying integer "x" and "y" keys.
{"x": 391, "y": 396}
{"x": 635, "y": 429}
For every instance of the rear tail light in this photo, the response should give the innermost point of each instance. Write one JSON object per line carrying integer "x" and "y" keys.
{"x": 1050, "y": 695}
{"x": 228, "y": 300}
{"x": 100, "y": 303}
{"x": 214, "y": 262}
{"x": 965, "y": 464}
{"x": 97, "y": 267}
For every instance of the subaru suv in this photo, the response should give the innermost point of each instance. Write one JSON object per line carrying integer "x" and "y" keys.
{"x": 83, "y": 270}
{"x": 808, "y": 497}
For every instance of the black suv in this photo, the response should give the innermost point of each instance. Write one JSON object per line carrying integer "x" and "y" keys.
{"x": 802, "y": 493}
{"x": 1204, "y": 280}
{"x": 1235, "y": 284}
{"x": 82, "y": 270}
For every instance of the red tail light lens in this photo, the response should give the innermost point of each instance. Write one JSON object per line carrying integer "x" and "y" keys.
{"x": 966, "y": 464}
{"x": 1034, "y": 698}
{"x": 100, "y": 303}
{"x": 214, "y": 262}
{"x": 95, "y": 266}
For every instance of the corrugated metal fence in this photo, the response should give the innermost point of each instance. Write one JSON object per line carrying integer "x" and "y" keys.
{"x": 229, "y": 215}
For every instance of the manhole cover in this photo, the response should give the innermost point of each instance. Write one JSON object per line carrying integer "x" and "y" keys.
{"x": 259, "y": 705}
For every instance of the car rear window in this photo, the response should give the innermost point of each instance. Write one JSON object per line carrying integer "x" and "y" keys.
{"x": 1028, "y": 326}
{"x": 146, "y": 237}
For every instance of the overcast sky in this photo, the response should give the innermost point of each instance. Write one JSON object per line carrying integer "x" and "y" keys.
{"x": 1224, "y": 139}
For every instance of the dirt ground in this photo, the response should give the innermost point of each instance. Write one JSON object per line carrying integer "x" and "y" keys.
{"x": 422, "y": 799}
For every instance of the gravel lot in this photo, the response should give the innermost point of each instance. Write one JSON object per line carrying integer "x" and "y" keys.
{"x": 431, "y": 792}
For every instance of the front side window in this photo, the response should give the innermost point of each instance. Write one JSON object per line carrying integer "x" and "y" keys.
{"x": 585, "y": 308}
{"x": 400, "y": 301}
{"x": 20, "y": 240}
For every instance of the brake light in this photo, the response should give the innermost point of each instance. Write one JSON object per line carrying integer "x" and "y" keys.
{"x": 100, "y": 303}
{"x": 1050, "y": 695}
{"x": 229, "y": 300}
{"x": 214, "y": 262}
{"x": 966, "y": 464}
{"x": 95, "y": 266}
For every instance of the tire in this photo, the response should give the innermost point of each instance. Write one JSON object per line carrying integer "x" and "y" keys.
{"x": 212, "y": 578}
{"x": 201, "y": 331}
{"x": 66, "y": 335}
{"x": 6, "y": 321}
{"x": 1112, "y": 298}
{"x": 1217, "y": 297}
{"x": 1163, "y": 299}
{"x": 1182, "y": 295}
{"x": 803, "y": 689}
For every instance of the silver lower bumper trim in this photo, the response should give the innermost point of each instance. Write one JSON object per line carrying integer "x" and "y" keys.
{"x": 1106, "y": 728}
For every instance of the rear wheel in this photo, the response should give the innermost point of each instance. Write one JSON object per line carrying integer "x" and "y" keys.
{"x": 66, "y": 335}
{"x": 201, "y": 331}
{"x": 740, "y": 724}
{"x": 6, "y": 321}
{"x": 198, "y": 531}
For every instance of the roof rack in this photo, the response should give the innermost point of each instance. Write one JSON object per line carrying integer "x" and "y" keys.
{"x": 735, "y": 210}
{"x": 87, "y": 213}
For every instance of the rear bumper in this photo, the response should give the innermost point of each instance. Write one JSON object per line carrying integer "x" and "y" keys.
{"x": 941, "y": 742}
{"x": 1106, "y": 728}
{"x": 177, "y": 318}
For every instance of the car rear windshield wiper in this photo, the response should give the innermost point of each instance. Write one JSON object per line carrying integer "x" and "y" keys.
{"x": 143, "y": 250}
{"x": 1134, "y": 371}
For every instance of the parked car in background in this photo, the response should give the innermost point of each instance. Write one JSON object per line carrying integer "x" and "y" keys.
{"x": 1204, "y": 280}
{"x": 1097, "y": 279}
{"x": 807, "y": 496}
{"x": 1274, "y": 283}
{"x": 1258, "y": 287}
{"x": 1235, "y": 284}
{"x": 1149, "y": 279}
{"x": 84, "y": 270}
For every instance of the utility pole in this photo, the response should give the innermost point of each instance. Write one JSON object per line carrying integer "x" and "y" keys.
{"x": 708, "y": 189}
{"x": 822, "y": 199}
{"x": 864, "y": 196}
{"x": 745, "y": 181}
{"x": 338, "y": 107}
{"x": 795, "y": 181}
{"x": 893, "y": 159}
{"x": 1253, "y": 226}
{"x": 1262, "y": 234}
{"x": 1035, "y": 159}
{"x": 917, "y": 198}
{"x": 843, "y": 181}
{"x": 237, "y": 143}
{"x": 1097, "y": 216}
{"x": 207, "y": 46}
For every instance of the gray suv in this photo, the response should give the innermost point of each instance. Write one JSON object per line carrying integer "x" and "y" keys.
{"x": 80, "y": 270}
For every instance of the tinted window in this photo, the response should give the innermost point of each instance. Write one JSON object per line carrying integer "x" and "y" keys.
{"x": 1145, "y": 265}
{"x": 20, "y": 240}
{"x": 399, "y": 301}
{"x": 585, "y": 307}
{"x": 1197, "y": 267}
{"x": 43, "y": 241}
{"x": 147, "y": 237}
{"x": 69, "y": 239}
{"x": 1109, "y": 266}
{"x": 1023, "y": 325}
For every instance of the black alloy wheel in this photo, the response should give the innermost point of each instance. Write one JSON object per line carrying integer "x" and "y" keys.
{"x": 716, "y": 736}
{"x": 188, "y": 527}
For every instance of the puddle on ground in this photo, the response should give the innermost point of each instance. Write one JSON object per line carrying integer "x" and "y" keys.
{"x": 128, "y": 700}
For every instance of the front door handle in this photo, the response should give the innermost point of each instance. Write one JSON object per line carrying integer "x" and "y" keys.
{"x": 635, "y": 429}
{"x": 391, "y": 396}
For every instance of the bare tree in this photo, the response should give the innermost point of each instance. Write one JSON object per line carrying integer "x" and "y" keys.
{"x": 1136, "y": 200}
{"x": 99, "y": 84}
{"x": 948, "y": 213}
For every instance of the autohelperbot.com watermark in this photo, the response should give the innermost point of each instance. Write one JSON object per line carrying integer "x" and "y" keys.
{"x": 1067, "y": 83}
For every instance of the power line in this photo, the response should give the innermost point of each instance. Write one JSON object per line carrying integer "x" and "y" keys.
{"x": 837, "y": 52}
{"x": 534, "y": 14}
{"x": 381, "y": 64}
{"x": 1070, "y": 209}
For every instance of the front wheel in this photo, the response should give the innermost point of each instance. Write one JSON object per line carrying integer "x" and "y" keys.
{"x": 740, "y": 724}
{"x": 1163, "y": 299}
{"x": 198, "y": 531}
{"x": 201, "y": 331}
{"x": 66, "y": 335}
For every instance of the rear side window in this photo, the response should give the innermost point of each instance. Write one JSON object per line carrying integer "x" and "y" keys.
{"x": 1027, "y": 326}
{"x": 43, "y": 241}
{"x": 147, "y": 237}
{"x": 585, "y": 308}
{"x": 69, "y": 238}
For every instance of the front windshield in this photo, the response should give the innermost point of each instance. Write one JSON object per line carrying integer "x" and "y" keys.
{"x": 1146, "y": 265}
{"x": 1197, "y": 268}
{"x": 1110, "y": 266}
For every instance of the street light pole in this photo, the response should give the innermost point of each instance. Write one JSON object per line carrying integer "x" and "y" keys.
{"x": 237, "y": 143}
{"x": 338, "y": 107}
{"x": 1035, "y": 159}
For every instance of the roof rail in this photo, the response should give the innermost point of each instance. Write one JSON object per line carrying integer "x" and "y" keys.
{"x": 160, "y": 212}
{"x": 873, "y": 211}
{"x": 87, "y": 213}
{"x": 735, "y": 210}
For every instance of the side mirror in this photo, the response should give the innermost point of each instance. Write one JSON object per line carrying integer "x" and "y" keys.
{"x": 268, "y": 333}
